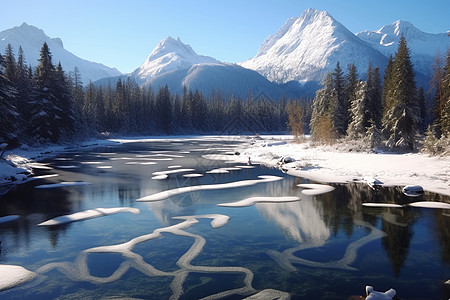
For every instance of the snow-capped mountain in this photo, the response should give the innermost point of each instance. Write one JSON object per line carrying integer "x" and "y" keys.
{"x": 308, "y": 47}
{"x": 176, "y": 64}
{"x": 423, "y": 46}
{"x": 170, "y": 55}
{"x": 32, "y": 38}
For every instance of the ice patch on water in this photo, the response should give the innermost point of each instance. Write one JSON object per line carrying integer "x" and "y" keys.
{"x": 39, "y": 166}
{"x": 269, "y": 294}
{"x": 429, "y": 204}
{"x": 104, "y": 167}
{"x": 218, "y": 171}
{"x": 88, "y": 214}
{"x": 369, "y": 204}
{"x": 192, "y": 175}
{"x": 160, "y": 177}
{"x": 147, "y": 163}
{"x": 91, "y": 162}
{"x": 315, "y": 189}
{"x": 174, "y": 167}
{"x": 61, "y": 184}
{"x": 45, "y": 176}
{"x": 11, "y": 276}
{"x": 173, "y": 171}
{"x": 9, "y": 218}
{"x": 68, "y": 167}
{"x": 79, "y": 270}
{"x": 132, "y": 163}
{"x": 177, "y": 191}
{"x": 253, "y": 200}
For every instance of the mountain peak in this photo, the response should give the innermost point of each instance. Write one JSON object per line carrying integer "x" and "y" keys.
{"x": 171, "y": 45}
{"x": 306, "y": 47}
{"x": 405, "y": 28}
{"x": 31, "y": 39}
{"x": 171, "y": 55}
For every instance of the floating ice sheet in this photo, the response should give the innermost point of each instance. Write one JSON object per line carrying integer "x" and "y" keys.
{"x": 79, "y": 270}
{"x": 104, "y": 167}
{"x": 68, "y": 167}
{"x": 11, "y": 276}
{"x": 218, "y": 171}
{"x": 61, "y": 184}
{"x": 315, "y": 189}
{"x": 173, "y": 171}
{"x": 192, "y": 175}
{"x": 429, "y": 204}
{"x": 253, "y": 200}
{"x": 382, "y": 205}
{"x": 174, "y": 167}
{"x": 160, "y": 177}
{"x": 269, "y": 294}
{"x": 177, "y": 191}
{"x": 9, "y": 218}
{"x": 88, "y": 214}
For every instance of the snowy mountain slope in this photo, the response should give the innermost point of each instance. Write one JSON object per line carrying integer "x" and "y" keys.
{"x": 176, "y": 64}
{"x": 32, "y": 38}
{"x": 308, "y": 47}
{"x": 423, "y": 46}
{"x": 231, "y": 79}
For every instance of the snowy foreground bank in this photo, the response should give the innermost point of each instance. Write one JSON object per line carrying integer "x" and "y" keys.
{"x": 321, "y": 163}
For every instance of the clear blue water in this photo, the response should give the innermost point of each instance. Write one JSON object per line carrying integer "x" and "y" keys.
{"x": 290, "y": 247}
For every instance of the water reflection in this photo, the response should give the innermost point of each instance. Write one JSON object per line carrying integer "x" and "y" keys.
{"x": 300, "y": 221}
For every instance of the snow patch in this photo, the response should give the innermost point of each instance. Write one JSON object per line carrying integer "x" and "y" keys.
{"x": 88, "y": 214}
{"x": 315, "y": 189}
{"x": 253, "y": 200}
{"x": 177, "y": 191}
{"x": 11, "y": 276}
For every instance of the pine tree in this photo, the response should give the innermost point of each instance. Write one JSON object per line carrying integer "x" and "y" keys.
{"x": 8, "y": 112}
{"x": 402, "y": 118}
{"x": 65, "y": 116}
{"x": 358, "y": 107}
{"x": 44, "y": 110}
{"x": 340, "y": 105}
{"x": 163, "y": 110}
{"x": 375, "y": 105}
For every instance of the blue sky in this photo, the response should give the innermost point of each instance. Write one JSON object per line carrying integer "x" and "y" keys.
{"x": 123, "y": 33}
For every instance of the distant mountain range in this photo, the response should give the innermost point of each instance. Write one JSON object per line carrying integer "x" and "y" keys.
{"x": 32, "y": 38}
{"x": 292, "y": 62}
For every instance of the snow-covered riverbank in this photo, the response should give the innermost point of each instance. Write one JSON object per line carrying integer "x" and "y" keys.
{"x": 320, "y": 163}
{"x": 327, "y": 164}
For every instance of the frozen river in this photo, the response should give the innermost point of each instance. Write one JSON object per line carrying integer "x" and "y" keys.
{"x": 157, "y": 220}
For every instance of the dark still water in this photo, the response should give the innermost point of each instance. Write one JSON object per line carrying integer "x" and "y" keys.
{"x": 321, "y": 247}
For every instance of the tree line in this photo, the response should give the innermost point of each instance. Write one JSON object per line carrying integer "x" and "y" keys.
{"x": 390, "y": 112}
{"x": 45, "y": 104}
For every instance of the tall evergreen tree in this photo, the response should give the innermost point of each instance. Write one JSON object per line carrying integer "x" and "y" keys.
{"x": 44, "y": 110}
{"x": 402, "y": 118}
{"x": 8, "y": 112}
{"x": 163, "y": 110}
{"x": 65, "y": 116}
{"x": 340, "y": 105}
